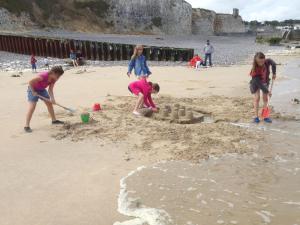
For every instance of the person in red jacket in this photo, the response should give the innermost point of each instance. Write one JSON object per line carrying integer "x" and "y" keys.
{"x": 196, "y": 61}
{"x": 260, "y": 74}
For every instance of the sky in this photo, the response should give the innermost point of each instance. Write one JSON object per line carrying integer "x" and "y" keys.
{"x": 260, "y": 10}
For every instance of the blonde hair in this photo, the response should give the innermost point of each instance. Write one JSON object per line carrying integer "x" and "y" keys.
{"x": 135, "y": 51}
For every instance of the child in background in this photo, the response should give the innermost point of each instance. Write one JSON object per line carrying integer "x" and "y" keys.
{"x": 143, "y": 89}
{"x": 46, "y": 63}
{"x": 37, "y": 87}
{"x": 138, "y": 63}
{"x": 33, "y": 62}
{"x": 73, "y": 58}
{"x": 260, "y": 81}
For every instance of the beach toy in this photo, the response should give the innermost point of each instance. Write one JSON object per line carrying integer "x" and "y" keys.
{"x": 65, "y": 108}
{"x": 96, "y": 107}
{"x": 85, "y": 117}
{"x": 267, "y": 110}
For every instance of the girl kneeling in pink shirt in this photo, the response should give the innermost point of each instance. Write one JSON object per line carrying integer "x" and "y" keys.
{"x": 143, "y": 89}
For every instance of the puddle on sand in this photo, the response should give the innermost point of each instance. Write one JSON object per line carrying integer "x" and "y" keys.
{"x": 263, "y": 188}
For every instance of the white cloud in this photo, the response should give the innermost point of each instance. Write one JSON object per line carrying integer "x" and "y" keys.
{"x": 254, "y": 9}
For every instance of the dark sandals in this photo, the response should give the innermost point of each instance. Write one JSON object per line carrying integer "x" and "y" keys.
{"x": 27, "y": 129}
{"x": 57, "y": 122}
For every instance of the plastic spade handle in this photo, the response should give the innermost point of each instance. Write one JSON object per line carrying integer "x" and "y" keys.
{"x": 47, "y": 100}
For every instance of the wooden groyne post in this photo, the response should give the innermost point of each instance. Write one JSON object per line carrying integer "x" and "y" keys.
{"x": 91, "y": 50}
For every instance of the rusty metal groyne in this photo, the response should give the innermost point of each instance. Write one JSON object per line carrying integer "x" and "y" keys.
{"x": 91, "y": 50}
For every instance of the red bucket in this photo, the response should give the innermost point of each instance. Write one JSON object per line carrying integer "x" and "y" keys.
{"x": 96, "y": 107}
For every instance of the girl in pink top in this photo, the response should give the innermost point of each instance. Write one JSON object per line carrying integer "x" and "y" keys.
{"x": 37, "y": 87}
{"x": 143, "y": 89}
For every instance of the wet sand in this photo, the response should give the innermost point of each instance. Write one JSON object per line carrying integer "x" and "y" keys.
{"x": 257, "y": 188}
{"x": 61, "y": 175}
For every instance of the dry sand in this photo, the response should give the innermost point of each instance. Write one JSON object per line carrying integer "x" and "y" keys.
{"x": 70, "y": 175}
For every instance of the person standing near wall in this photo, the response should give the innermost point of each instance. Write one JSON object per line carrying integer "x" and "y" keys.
{"x": 208, "y": 50}
{"x": 73, "y": 58}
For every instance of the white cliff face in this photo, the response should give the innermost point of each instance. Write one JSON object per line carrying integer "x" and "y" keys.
{"x": 11, "y": 22}
{"x": 203, "y": 22}
{"x": 173, "y": 17}
{"x": 153, "y": 16}
{"x": 226, "y": 23}
{"x": 208, "y": 22}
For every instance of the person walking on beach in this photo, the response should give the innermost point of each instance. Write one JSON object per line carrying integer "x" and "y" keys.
{"x": 260, "y": 74}
{"x": 46, "y": 63}
{"x": 208, "y": 50}
{"x": 33, "y": 62}
{"x": 73, "y": 58}
{"x": 138, "y": 63}
{"x": 143, "y": 90}
{"x": 37, "y": 87}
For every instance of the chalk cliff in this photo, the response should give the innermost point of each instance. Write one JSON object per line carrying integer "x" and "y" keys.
{"x": 117, "y": 16}
{"x": 209, "y": 22}
{"x": 157, "y": 16}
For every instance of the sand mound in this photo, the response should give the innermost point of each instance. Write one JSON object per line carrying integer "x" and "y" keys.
{"x": 146, "y": 112}
{"x": 163, "y": 139}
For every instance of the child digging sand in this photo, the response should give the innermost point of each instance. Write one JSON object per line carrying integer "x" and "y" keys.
{"x": 261, "y": 81}
{"x": 138, "y": 63}
{"x": 143, "y": 89}
{"x": 37, "y": 87}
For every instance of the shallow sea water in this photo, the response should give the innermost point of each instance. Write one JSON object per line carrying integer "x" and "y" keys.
{"x": 258, "y": 188}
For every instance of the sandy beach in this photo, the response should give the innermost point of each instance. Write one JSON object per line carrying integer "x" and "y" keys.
{"x": 70, "y": 174}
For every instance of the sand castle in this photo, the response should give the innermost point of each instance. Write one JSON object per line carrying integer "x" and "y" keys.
{"x": 179, "y": 114}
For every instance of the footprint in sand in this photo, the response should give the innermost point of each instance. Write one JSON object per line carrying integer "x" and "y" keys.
{"x": 14, "y": 136}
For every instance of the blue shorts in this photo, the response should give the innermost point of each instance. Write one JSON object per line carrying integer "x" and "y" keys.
{"x": 33, "y": 66}
{"x": 31, "y": 98}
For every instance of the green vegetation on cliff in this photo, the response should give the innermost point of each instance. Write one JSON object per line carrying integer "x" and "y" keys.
{"x": 48, "y": 7}
{"x": 16, "y": 6}
{"x": 52, "y": 13}
{"x": 99, "y": 7}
